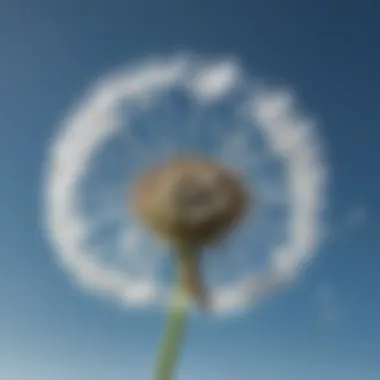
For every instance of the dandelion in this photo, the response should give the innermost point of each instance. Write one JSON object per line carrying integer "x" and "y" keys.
{"x": 246, "y": 135}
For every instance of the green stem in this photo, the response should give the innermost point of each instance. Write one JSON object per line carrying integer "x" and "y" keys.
{"x": 175, "y": 327}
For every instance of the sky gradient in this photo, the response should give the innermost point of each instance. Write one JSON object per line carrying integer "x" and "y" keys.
{"x": 326, "y": 325}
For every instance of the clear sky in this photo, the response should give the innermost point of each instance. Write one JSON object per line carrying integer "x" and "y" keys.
{"x": 326, "y": 326}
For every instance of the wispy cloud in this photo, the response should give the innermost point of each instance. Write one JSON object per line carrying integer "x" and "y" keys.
{"x": 353, "y": 219}
{"x": 327, "y": 306}
{"x": 356, "y": 217}
{"x": 290, "y": 135}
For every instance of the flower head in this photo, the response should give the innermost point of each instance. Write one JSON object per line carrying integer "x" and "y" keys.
{"x": 131, "y": 117}
{"x": 190, "y": 201}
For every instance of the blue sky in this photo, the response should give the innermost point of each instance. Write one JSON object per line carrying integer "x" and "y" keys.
{"x": 323, "y": 327}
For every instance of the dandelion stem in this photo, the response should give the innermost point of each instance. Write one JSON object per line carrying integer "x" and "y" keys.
{"x": 175, "y": 325}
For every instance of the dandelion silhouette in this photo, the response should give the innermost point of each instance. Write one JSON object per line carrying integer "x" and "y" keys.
{"x": 132, "y": 137}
